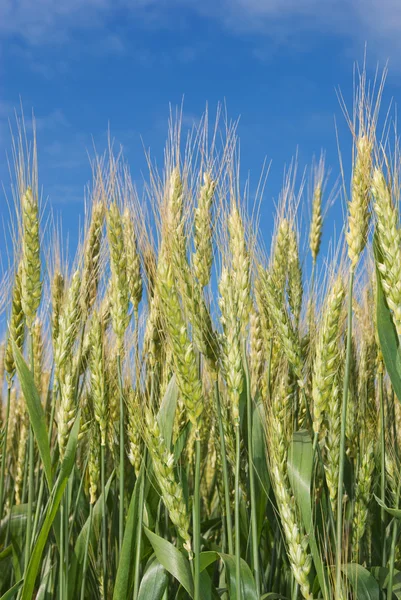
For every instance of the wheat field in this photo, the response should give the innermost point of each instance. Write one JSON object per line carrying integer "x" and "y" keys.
{"x": 190, "y": 410}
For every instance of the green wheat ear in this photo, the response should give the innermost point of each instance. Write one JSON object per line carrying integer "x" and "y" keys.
{"x": 31, "y": 285}
{"x": 119, "y": 292}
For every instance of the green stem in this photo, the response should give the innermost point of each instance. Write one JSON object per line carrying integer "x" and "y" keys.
{"x": 37, "y": 510}
{"x": 224, "y": 469}
{"x": 61, "y": 567}
{"x": 78, "y": 497}
{"x": 221, "y": 571}
{"x": 383, "y": 469}
{"x": 392, "y": 552}
{"x": 254, "y": 522}
{"x": 66, "y": 537}
{"x": 122, "y": 457}
{"x": 392, "y": 560}
{"x": 104, "y": 523}
{"x": 25, "y": 479}
{"x": 3, "y": 449}
{"x": 31, "y": 467}
{"x": 85, "y": 564}
{"x": 196, "y": 532}
{"x": 237, "y": 512}
{"x": 338, "y": 590}
{"x": 139, "y": 527}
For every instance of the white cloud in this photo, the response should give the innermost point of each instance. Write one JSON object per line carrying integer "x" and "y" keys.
{"x": 43, "y": 22}
{"x": 12, "y": 117}
{"x": 51, "y": 20}
{"x": 375, "y": 22}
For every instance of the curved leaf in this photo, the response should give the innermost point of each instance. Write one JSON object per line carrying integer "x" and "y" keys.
{"x": 15, "y": 522}
{"x": 388, "y": 338}
{"x": 381, "y": 574}
{"x": 262, "y": 480}
{"x": 154, "y": 581}
{"x": 54, "y": 503}
{"x": 207, "y": 559}
{"x": 12, "y": 591}
{"x": 13, "y": 527}
{"x": 207, "y": 589}
{"x": 364, "y": 584}
{"x": 394, "y": 512}
{"x": 172, "y": 560}
{"x": 248, "y": 586}
{"x": 48, "y": 569}
{"x": 6, "y": 553}
{"x": 300, "y": 472}
{"x": 125, "y": 563}
{"x": 75, "y": 575}
{"x": 36, "y": 414}
{"x": 79, "y": 549}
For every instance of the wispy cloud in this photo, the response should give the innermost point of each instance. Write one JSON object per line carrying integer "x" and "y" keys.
{"x": 13, "y": 117}
{"x": 376, "y": 22}
{"x": 66, "y": 194}
{"x": 52, "y": 22}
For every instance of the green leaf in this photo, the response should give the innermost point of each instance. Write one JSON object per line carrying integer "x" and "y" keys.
{"x": 75, "y": 574}
{"x": 181, "y": 441}
{"x": 79, "y": 549}
{"x": 5, "y": 571}
{"x": 207, "y": 589}
{"x": 381, "y": 574}
{"x": 17, "y": 562}
{"x": 396, "y": 584}
{"x": 300, "y": 472}
{"x": 43, "y": 592}
{"x": 364, "y": 584}
{"x": 166, "y": 414}
{"x": 12, "y": 521}
{"x": 13, "y": 528}
{"x": 154, "y": 581}
{"x": 248, "y": 586}
{"x": 125, "y": 563}
{"x": 394, "y": 512}
{"x": 262, "y": 480}
{"x": 172, "y": 560}
{"x": 12, "y": 591}
{"x": 36, "y": 414}
{"x": 55, "y": 499}
{"x": 207, "y": 559}
{"x": 6, "y": 553}
{"x": 259, "y": 448}
{"x": 388, "y": 338}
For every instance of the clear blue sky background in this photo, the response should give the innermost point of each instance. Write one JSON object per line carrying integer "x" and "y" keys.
{"x": 85, "y": 64}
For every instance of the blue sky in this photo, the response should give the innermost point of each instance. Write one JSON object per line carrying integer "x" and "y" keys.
{"x": 83, "y": 65}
